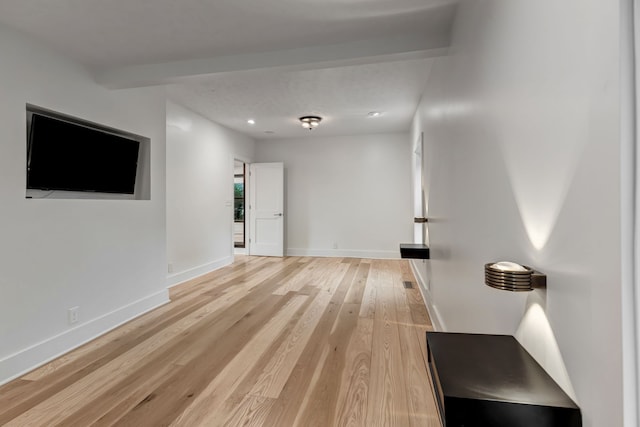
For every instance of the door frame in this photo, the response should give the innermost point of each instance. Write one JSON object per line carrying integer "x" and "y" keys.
{"x": 630, "y": 207}
{"x": 247, "y": 188}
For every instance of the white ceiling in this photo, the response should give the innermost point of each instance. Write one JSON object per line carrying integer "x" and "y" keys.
{"x": 342, "y": 96}
{"x": 271, "y": 60}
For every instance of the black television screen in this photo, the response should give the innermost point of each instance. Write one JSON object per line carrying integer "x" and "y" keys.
{"x": 67, "y": 156}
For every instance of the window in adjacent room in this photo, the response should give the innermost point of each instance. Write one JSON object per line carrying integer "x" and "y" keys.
{"x": 239, "y": 205}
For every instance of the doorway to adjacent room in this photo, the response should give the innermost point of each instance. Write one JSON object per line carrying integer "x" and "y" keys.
{"x": 239, "y": 203}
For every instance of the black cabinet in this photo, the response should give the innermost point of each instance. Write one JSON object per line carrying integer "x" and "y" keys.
{"x": 414, "y": 250}
{"x": 491, "y": 381}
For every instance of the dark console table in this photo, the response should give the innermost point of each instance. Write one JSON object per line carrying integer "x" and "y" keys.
{"x": 491, "y": 380}
{"x": 414, "y": 250}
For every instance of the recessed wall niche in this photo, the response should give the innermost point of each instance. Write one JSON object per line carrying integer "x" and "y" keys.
{"x": 71, "y": 158}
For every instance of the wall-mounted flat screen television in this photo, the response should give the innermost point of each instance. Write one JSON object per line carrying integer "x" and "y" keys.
{"x": 66, "y": 156}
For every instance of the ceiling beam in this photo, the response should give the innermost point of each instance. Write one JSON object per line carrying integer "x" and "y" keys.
{"x": 314, "y": 57}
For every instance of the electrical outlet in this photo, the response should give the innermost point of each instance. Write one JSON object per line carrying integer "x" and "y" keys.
{"x": 169, "y": 268}
{"x": 335, "y": 245}
{"x": 73, "y": 315}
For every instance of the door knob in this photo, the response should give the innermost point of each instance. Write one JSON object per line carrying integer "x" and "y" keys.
{"x": 278, "y": 214}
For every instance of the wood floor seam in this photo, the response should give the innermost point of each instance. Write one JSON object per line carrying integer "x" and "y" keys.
{"x": 274, "y": 342}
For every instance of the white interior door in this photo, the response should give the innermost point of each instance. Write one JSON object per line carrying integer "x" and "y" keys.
{"x": 266, "y": 209}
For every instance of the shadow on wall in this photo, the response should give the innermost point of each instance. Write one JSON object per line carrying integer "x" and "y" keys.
{"x": 540, "y": 185}
{"x": 540, "y": 170}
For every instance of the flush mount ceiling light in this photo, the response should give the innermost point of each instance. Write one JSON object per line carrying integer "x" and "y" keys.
{"x": 310, "y": 122}
{"x": 251, "y": 122}
{"x": 374, "y": 114}
{"x": 510, "y": 276}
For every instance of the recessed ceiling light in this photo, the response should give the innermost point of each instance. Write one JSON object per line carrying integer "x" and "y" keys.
{"x": 251, "y": 122}
{"x": 269, "y": 131}
{"x": 374, "y": 114}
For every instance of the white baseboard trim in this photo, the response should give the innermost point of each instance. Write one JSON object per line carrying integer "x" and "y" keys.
{"x": 18, "y": 364}
{"x": 192, "y": 273}
{"x": 434, "y": 314}
{"x": 422, "y": 281}
{"x": 346, "y": 253}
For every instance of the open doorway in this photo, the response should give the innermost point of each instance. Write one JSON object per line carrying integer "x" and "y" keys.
{"x": 239, "y": 203}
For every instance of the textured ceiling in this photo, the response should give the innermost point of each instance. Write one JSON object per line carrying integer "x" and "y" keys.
{"x": 342, "y": 96}
{"x": 270, "y": 60}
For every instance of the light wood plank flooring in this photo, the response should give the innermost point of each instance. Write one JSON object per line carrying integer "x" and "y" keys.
{"x": 264, "y": 342}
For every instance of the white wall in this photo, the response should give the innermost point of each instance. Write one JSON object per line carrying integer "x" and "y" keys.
{"x": 105, "y": 256}
{"x": 200, "y": 157}
{"x": 521, "y": 127}
{"x": 353, "y": 191}
{"x": 630, "y": 207}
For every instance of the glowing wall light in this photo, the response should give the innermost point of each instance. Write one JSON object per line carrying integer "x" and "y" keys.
{"x": 510, "y": 276}
{"x": 536, "y": 335}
